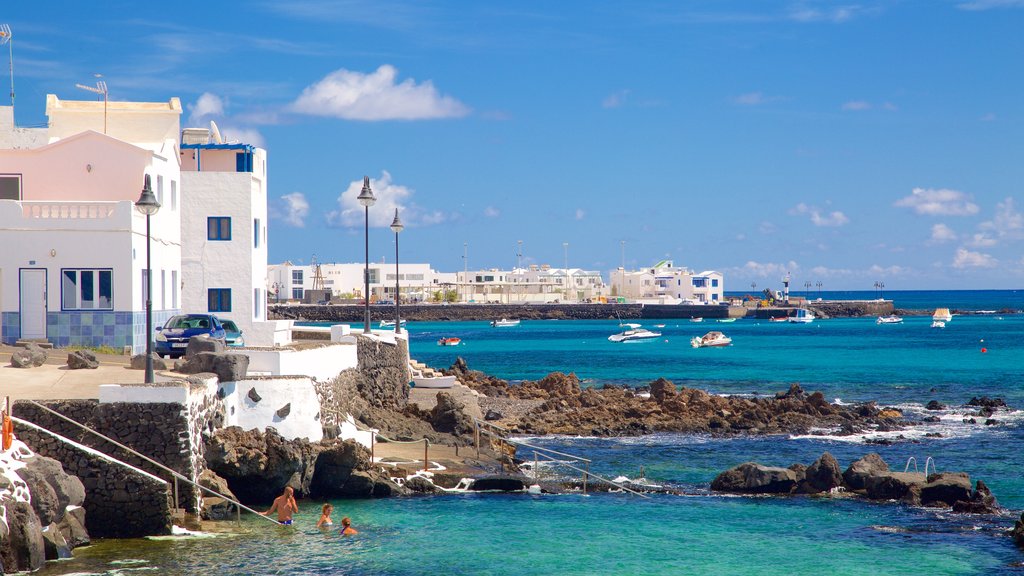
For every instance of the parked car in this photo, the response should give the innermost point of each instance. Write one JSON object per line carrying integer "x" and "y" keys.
{"x": 172, "y": 338}
{"x": 232, "y": 333}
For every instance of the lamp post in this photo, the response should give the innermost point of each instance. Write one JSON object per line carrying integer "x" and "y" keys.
{"x": 519, "y": 267}
{"x": 565, "y": 248}
{"x": 366, "y": 199}
{"x": 818, "y": 284}
{"x": 148, "y": 205}
{"x": 396, "y": 227}
{"x": 807, "y": 289}
{"x": 465, "y": 268}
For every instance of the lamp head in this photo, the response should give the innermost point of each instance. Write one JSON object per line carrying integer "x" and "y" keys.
{"x": 366, "y": 195}
{"x": 396, "y": 224}
{"x": 147, "y": 203}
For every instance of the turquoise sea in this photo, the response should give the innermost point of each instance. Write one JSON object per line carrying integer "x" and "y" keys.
{"x": 696, "y": 532}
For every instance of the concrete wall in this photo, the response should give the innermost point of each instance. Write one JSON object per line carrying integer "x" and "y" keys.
{"x": 322, "y": 362}
{"x": 254, "y": 404}
{"x": 384, "y": 370}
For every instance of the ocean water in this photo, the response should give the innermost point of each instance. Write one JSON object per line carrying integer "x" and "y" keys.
{"x": 696, "y": 532}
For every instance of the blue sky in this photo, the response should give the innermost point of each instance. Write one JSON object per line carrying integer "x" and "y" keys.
{"x": 843, "y": 142}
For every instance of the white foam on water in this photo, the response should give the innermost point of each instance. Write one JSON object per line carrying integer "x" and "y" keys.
{"x": 179, "y": 533}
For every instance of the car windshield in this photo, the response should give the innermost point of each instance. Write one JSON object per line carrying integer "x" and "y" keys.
{"x": 229, "y": 325}
{"x": 185, "y": 322}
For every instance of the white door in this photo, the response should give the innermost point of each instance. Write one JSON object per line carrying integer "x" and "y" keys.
{"x": 33, "y": 303}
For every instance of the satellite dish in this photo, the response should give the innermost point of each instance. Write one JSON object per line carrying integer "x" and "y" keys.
{"x": 216, "y": 133}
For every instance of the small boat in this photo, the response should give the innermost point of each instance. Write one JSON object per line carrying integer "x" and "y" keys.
{"x": 697, "y": 319}
{"x": 659, "y": 325}
{"x": 390, "y": 323}
{"x": 938, "y": 324}
{"x": 420, "y": 381}
{"x": 726, "y": 320}
{"x": 633, "y": 333}
{"x": 449, "y": 342}
{"x": 803, "y": 316}
{"x": 710, "y": 340}
{"x": 890, "y": 319}
{"x": 942, "y": 315}
{"x": 778, "y": 318}
{"x": 504, "y": 323}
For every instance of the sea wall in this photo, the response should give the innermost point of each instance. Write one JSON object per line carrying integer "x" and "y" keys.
{"x": 120, "y": 503}
{"x": 487, "y": 312}
{"x": 384, "y": 371}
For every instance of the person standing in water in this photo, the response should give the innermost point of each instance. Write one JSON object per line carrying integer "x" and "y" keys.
{"x": 325, "y": 517}
{"x": 346, "y": 527}
{"x": 285, "y": 506}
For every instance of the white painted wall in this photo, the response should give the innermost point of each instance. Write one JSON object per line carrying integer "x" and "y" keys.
{"x": 322, "y": 363}
{"x": 302, "y": 421}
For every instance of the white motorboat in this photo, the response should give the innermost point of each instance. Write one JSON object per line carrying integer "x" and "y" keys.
{"x": 390, "y": 323}
{"x": 633, "y": 333}
{"x": 803, "y": 316}
{"x": 890, "y": 319}
{"x": 697, "y": 319}
{"x": 942, "y": 315}
{"x": 726, "y": 320}
{"x": 710, "y": 340}
{"x": 504, "y": 323}
{"x": 938, "y": 324}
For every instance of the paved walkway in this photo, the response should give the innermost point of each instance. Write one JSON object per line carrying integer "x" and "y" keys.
{"x": 54, "y": 381}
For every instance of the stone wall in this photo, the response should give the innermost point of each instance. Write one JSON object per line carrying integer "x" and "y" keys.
{"x": 384, "y": 371}
{"x": 120, "y": 503}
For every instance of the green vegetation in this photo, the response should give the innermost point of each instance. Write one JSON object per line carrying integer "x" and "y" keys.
{"x": 108, "y": 350}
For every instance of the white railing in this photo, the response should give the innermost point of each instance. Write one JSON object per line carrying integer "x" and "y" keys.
{"x": 68, "y": 210}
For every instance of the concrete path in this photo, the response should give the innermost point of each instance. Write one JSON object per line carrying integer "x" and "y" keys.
{"x": 54, "y": 381}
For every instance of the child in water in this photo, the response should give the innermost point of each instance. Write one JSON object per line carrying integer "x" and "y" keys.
{"x": 325, "y": 517}
{"x": 346, "y": 527}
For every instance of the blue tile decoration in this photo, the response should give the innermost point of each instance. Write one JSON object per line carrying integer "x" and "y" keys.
{"x": 116, "y": 329}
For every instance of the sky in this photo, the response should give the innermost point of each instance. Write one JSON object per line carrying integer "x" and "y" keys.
{"x": 846, "y": 143}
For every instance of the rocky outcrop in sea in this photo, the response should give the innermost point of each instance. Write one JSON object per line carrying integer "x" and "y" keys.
{"x": 566, "y": 408}
{"x": 41, "y": 514}
{"x": 869, "y": 477}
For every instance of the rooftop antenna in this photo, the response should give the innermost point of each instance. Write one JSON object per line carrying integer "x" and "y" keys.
{"x": 7, "y": 38}
{"x": 101, "y": 88}
{"x": 318, "y": 275}
{"x": 215, "y": 132}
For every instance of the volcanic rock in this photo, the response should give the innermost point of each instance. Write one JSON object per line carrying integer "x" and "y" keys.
{"x": 662, "y": 390}
{"x": 228, "y": 366}
{"x": 198, "y": 344}
{"x": 83, "y": 360}
{"x": 902, "y": 486}
{"x": 982, "y": 502}
{"x": 138, "y": 362}
{"x": 870, "y": 465}
{"x": 30, "y": 356}
{"x": 1018, "y": 532}
{"x": 823, "y": 475}
{"x": 449, "y": 415}
{"x": 753, "y": 478}
{"x": 23, "y": 549}
{"x": 987, "y": 402}
{"x": 934, "y": 405}
{"x": 946, "y": 489}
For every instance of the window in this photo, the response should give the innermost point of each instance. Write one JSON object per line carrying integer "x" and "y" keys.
{"x": 296, "y": 276}
{"x": 700, "y": 282}
{"x": 87, "y": 289}
{"x": 174, "y": 195}
{"x": 243, "y": 162}
{"x": 218, "y": 299}
{"x": 174, "y": 289}
{"x": 256, "y": 303}
{"x": 256, "y": 233}
{"x": 10, "y": 186}
{"x": 714, "y": 282}
{"x": 218, "y": 228}
{"x": 297, "y": 293}
{"x": 160, "y": 189}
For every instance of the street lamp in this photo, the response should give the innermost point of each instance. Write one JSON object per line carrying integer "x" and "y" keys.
{"x": 396, "y": 227}
{"x": 565, "y": 247}
{"x": 818, "y": 284}
{"x": 147, "y": 204}
{"x": 366, "y": 199}
{"x": 807, "y": 289}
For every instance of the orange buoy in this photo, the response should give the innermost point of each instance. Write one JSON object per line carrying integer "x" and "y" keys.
{"x": 984, "y": 350}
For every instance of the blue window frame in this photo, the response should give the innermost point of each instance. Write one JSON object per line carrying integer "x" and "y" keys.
{"x": 218, "y": 299}
{"x": 87, "y": 289}
{"x": 243, "y": 162}
{"x": 714, "y": 282}
{"x": 218, "y": 228}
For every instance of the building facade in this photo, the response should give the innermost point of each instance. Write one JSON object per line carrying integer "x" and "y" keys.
{"x": 417, "y": 282}
{"x": 75, "y": 268}
{"x": 664, "y": 283}
{"x": 534, "y": 284}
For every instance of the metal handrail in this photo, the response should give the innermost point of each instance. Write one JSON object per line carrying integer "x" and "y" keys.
{"x": 374, "y": 433}
{"x": 527, "y": 445}
{"x": 173, "y": 473}
{"x": 601, "y": 478}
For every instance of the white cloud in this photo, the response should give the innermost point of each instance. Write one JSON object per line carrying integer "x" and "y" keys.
{"x": 208, "y": 105}
{"x": 357, "y": 96}
{"x": 836, "y": 15}
{"x": 976, "y": 5}
{"x": 938, "y": 202}
{"x": 766, "y": 269}
{"x": 615, "y": 100}
{"x": 767, "y": 228}
{"x": 750, "y": 99}
{"x": 832, "y": 219}
{"x": 245, "y": 135}
{"x": 890, "y": 106}
{"x": 826, "y": 272}
{"x": 856, "y": 105}
{"x": 1007, "y": 223}
{"x": 389, "y": 197}
{"x": 964, "y": 258}
{"x": 492, "y": 212}
{"x": 893, "y": 270}
{"x": 580, "y": 214}
{"x": 982, "y": 240}
{"x": 292, "y": 209}
{"x": 942, "y": 233}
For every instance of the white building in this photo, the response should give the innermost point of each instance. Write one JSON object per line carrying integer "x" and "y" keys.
{"x": 73, "y": 268}
{"x": 663, "y": 283}
{"x": 417, "y": 282}
{"x": 224, "y": 224}
{"x": 535, "y": 284}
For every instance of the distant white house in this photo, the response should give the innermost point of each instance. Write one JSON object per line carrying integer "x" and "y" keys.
{"x": 73, "y": 266}
{"x": 224, "y": 230}
{"x": 664, "y": 283}
{"x": 417, "y": 282}
{"x": 533, "y": 284}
